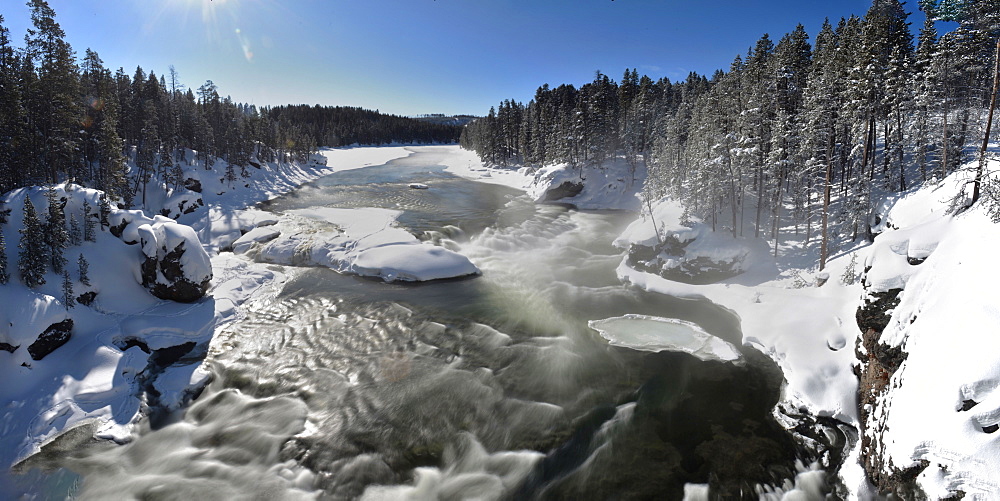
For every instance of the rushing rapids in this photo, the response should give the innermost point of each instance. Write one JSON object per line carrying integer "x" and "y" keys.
{"x": 339, "y": 387}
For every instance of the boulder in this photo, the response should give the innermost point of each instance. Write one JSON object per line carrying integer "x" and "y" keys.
{"x": 53, "y": 337}
{"x": 176, "y": 267}
{"x": 568, "y": 189}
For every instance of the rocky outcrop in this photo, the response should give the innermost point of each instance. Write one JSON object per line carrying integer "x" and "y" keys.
{"x": 165, "y": 277}
{"x": 53, "y": 337}
{"x": 671, "y": 260}
{"x": 878, "y": 363}
{"x": 568, "y": 189}
{"x": 174, "y": 264}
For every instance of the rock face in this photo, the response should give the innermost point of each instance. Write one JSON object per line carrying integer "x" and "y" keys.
{"x": 54, "y": 336}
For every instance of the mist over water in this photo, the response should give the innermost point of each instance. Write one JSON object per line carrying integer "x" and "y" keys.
{"x": 339, "y": 387}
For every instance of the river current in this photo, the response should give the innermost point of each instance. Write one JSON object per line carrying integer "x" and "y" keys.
{"x": 493, "y": 387}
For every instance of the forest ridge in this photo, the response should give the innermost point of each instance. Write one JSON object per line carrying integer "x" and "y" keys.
{"x": 793, "y": 134}
{"x": 64, "y": 120}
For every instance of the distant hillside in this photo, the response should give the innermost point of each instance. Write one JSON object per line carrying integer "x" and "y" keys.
{"x": 437, "y": 118}
{"x": 342, "y": 126}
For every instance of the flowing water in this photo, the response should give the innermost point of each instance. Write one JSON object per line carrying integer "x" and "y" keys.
{"x": 338, "y": 387}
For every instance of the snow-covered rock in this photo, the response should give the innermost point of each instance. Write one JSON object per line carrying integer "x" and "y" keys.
{"x": 685, "y": 249}
{"x": 361, "y": 241}
{"x": 176, "y": 267}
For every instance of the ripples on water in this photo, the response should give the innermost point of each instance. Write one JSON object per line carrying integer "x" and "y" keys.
{"x": 489, "y": 388}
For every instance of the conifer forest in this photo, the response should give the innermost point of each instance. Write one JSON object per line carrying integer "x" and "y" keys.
{"x": 794, "y": 133}
{"x": 65, "y": 116}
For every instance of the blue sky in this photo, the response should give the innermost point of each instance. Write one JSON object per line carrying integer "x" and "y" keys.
{"x": 420, "y": 56}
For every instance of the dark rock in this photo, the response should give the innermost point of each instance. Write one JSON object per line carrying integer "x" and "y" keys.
{"x": 701, "y": 270}
{"x": 87, "y": 298}
{"x": 875, "y": 312}
{"x": 180, "y": 288}
{"x": 190, "y": 208}
{"x": 915, "y": 260}
{"x": 193, "y": 185}
{"x": 54, "y": 336}
{"x": 568, "y": 189}
{"x": 967, "y": 404}
{"x": 118, "y": 230}
{"x": 255, "y": 164}
{"x": 8, "y": 347}
{"x": 991, "y": 428}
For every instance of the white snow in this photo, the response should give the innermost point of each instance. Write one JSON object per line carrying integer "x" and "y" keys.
{"x": 361, "y": 241}
{"x": 648, "y": 333}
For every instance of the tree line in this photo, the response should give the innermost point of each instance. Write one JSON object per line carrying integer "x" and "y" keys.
{"x": 63, "y": 119}
{"x": 343, "y": 125}
{"x": 795, "y": 132}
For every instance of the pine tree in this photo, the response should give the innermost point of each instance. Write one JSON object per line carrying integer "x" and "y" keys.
{"x": 104, "y": 208}
{"x": 4, "y": 275}
{"x": 83, "y": 268}
{"x": 89, "y": 222}
{"x": 67, "y": 289}
{"x": 54, "y": 97}
{"x": 56, "y": 236}
{"x": 75, "y": 235}
{"x": 33, "y": 256}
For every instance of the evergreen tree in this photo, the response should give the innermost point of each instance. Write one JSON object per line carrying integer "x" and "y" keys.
{"x": 83, "y": 269}
{"x": 67, "y": 290}
{"x": 33, "y": 256}
{"x": 56, "y": 236}
{"x": 4, "y": 274}
{"x": 89, "y": 222}
{"x": 75, "y": 234}
{"x": 54, "y": 97}
{"x": 104, "y": 209}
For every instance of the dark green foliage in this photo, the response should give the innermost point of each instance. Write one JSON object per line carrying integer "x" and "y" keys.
{"x": 33, "y": 256}
{"x": 69, "y": 300}
{"x": 89, "y": 223}
{"x": 4, "y": 274}
{"x": 83, "y": 269}
{"x": 56, "y": 236}
{"x": 791, "y": 136}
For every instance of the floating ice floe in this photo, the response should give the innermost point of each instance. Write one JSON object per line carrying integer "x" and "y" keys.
{"x": 418, "y": 186}
{"x": 648, "y": 333}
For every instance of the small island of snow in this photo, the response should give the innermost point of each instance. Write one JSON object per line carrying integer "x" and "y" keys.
{"x": 648, "y": 333}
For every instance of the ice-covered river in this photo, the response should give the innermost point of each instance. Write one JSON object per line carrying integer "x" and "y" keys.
{"x": 491, "y": 387}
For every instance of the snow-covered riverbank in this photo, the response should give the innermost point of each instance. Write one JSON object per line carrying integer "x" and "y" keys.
{"x": 105, "y": 372}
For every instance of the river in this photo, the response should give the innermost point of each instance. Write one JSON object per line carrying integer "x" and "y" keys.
{"x": 491, "y": 387}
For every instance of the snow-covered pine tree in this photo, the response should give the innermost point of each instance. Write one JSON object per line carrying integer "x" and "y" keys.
{"x": 67, "y": 290}
{"x": 75, "y": 233}
{"x": 33, "y": 256}
{"x": 4, "y": 274}
{"x": 104, "y": 208}
{"x": 89, "y": 222}
{"x": 54, "y": 98}
{"x": 83, "y": 268}
{"x": 56, "y": 236}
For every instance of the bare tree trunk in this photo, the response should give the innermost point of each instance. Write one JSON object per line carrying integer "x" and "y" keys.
{"x": 976, "y": 191}
{"x": 944, "y": 143}
{"x": 824, "y": 246}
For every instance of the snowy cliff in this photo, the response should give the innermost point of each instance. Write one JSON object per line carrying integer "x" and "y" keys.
{"x": 929, "y": 355}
